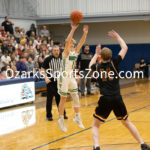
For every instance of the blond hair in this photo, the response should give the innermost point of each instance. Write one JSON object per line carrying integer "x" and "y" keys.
{"x": 106, "y": 54}
{"x": 73, "y": 41}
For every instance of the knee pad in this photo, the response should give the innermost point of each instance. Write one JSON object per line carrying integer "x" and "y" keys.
{"x": 75, "y": 98}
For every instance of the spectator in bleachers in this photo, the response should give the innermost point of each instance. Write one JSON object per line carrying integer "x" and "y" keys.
{"x": 50, "y": 45}
{"x": 2, "y": 32}
{"x": 40, "y": 61}
{"x": 21, "y": 66}
{"x": 38, "y": 48}
{"x": 37, "y": 42}
{"x": 30, "y": 65}
{"x": 32, "y": 36}
{"x": 5, "y": 46}
{"x": 36, "y": 65}
{"x": 49, "y": 39}
{"x": 17, "y": 34}
{"x": 5, "y": 59}
{"x": 32, "y": 28}
{"x": 0, "y": 64}
{"x": 2, "y": 73}
{"x": 22, "y": 31}
{"x": 14, "y": 70}
{"x": 20, "y": 48}
{"x": 8, "y": 25}
{"x": 44, "y": 32}
{"x": 83, "y": 64}
{"x": 44, "y": 45}
{"x": 142, "y": 65}
{"x": 11, "y": 48}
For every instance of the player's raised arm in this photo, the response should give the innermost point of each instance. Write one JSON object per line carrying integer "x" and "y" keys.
{"x": 97, "y": 53}
{"x": 113, "y": 34}
{"x": 69, "y": 38}
{"x": 83, "y": 39}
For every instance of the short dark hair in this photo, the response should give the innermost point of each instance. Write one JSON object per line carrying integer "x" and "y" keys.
{"x": 30, "y": 56}
{"x": 86, "y": 45}
{"x": 21, "y": 57}
{"x": 6, "y": 52}
{"x": 6, "y": 17}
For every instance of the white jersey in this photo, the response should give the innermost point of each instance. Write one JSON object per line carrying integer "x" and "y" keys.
{"x": 68, "y": 63}
{"x": 67, "y": 83}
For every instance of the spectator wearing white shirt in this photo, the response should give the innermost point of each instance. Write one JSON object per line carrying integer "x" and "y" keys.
{"x": 5, "y": 59}
{"x": 37, "y": 42}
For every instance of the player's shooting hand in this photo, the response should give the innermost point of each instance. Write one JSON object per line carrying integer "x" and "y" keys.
{"x": 85, "y": 28}
{"x": 98, "y": 49}
{"x": 74, "y": 26}
{"x": 113, "y": 34}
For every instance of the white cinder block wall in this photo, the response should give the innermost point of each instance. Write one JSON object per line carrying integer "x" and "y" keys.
{"x": 23, "y": 23}
{"x": 131, "y": 31}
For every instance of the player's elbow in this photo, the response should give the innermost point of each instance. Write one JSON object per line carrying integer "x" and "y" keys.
{"x": 126, "y": 47}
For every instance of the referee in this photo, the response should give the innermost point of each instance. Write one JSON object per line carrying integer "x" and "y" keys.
{"x": 50, "y": 65}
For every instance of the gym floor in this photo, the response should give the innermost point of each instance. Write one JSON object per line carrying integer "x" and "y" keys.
{"x": 37, "y": 133}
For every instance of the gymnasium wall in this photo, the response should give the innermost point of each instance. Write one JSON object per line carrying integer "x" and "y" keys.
{"x": 133, "y": 56}
{"x": 91, "y": 7}
{"x": 135, "y": 33}
{"x": 131, "y": 31}
{"x": 18, "y": 8}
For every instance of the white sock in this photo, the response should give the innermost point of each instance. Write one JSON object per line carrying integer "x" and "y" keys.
{"x": 96, "y": 146}
{"x": 61, "y": 116}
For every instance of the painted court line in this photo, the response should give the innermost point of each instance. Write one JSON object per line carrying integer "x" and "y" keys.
{"x": 83, "y": 130}
{"x": 86, "y": 146}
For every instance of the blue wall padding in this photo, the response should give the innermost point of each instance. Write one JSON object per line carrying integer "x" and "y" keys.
{"x": 133, "y": 56}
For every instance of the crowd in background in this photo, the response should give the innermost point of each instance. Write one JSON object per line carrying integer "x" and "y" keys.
{"x": 23, "y": 51}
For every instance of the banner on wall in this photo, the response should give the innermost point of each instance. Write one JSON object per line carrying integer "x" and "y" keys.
{"x": 18, "y": 93}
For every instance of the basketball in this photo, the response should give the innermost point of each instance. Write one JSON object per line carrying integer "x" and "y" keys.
{"x": 76, "y": 16}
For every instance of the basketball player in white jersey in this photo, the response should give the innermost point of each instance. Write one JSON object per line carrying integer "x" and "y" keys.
{"x": 67, "y": 83}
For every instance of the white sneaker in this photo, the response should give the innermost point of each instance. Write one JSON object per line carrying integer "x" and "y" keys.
{"x": 61, "y": 124}
{"x": 78, "y": 121}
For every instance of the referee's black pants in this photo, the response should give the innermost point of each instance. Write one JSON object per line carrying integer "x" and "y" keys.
{"x": 51, "y": 92}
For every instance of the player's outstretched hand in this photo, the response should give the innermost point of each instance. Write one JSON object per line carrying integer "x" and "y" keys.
{"x": 74, "y": 26}
{"x": 98, "y": 49}
{"x": 113, "y": 34}
{"x": 85, "y": 28}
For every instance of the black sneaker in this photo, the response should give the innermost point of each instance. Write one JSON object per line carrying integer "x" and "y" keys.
{"x": 90, "y": 93}
{"x": 65, "y": 117}
{"x": 145, "y": 147}
{"x": 82, "y": 94}
{"x": 97, "y": 148}
{"x": 49, "y": 118}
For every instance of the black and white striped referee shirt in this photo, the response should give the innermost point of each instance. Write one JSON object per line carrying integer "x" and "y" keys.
{"x": 52, "y": 64}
